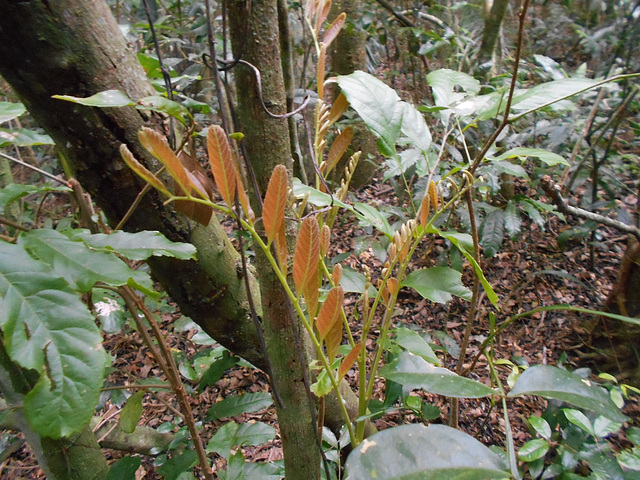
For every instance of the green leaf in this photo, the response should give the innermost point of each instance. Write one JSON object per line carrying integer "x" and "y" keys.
{"x": 372, "y": 216}
{"x": 48, "y": 329}
{"x": 79, "y": 265}
{"x": 10, "y": 110}
{"x": 464, "y": 248}
{"x": 108, "y": 98}
{"x": 223, "y": 440}
{"x": 533, "y": 212}
{"x": 554, "y": 383}
{"x": 416, "y": 452}
{"x": 414, "y": 343}
{"x": 579, "y": 419}
{"x": 237, "y": 404}
{"x": 378, "y": 105}
{"x": 131, "y": 412}
{"x": 23, "y": 137}
{"x": 137, "y": 246}
{"x": 316, "y": 197}
{"x": 253, "y": 434}
{"x": 124, "y": 469}
{"x": 216, "y": 370}
{"x": 512, "y": 219}
{"x": 235, "y": 466}
{"x": 437, "y": 284}
{"x": 533, "y": 450}
{"x": 492, "y": 232}
{"x": 414, "y": 372}
{"x": 541, "y": 426}
{"x": 445, "y": 83}
{"x": 15, "y": 191}
{"x": 156, "y": 103}
{"x": 546, "y": 156}
{"x": 177, "y": 464}
{"x": 547, "y": 92}
{"x": 414, "y": 127}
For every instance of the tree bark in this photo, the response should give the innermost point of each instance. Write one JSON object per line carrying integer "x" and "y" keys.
{"x": 494, "y": 14}
{"x": 254, "y": 36}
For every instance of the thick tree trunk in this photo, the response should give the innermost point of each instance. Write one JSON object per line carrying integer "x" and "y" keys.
{"x": 254, "y": 36}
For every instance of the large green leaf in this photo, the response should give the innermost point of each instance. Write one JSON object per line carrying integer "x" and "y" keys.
{"x": 23, "y": 137}
{"x": 108, "y": 98}
{"x": 137, "y": 246}
{"x": 548, "y": 92}
{"x": 414, "y": 127}
{"x": 15, "y": 191}
{"x": 414, "y": 343}
{"x": 414, "y": 372}
{"x": 492, "y": 232}
{"x": 416, "y": 452}
{"x": 237, "y": 404}
{"x": 546, "y": 156}
{"x": 10, "y": 110}
{"x": 554, "y": 383}
{"x": 48, "y": 329}
{"x": 378, "y": 105}
{"x": 437, "y": 284}
{"x": 80, "y": 266}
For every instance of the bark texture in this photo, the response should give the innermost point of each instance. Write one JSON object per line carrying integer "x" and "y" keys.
{"x": 254, "y": 36}
{"x": 494, "y": 14}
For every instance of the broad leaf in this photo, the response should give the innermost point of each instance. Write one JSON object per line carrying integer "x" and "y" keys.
{"x": 222, "y": 164}
{"x": 492, "y": 232}
{"x": 23, "y": 137}
{"x": 48, "y": 329}
{"x": 414, "y": 127}
{"x": 137, "y": 246}
{"x": 414, "y": 372}
{"x": 546, "y": 156}
{"x": 157, "y": 103}
{"x": 338, "y": 148}
{"x": 554, "y": 383}
{"x": 124, "y": 469}
{"x": 533, "y": 450}
{"x": 372, "y": 216}
{"x": 414, "y": 343}
{"x": 416, "y": 452}
{"x": 254, "y": 434}
{"x": 349, "y": 360}
{"x": 445, "y": 83}
{"x": 179, "y": 463}
{"x": 378, "y": 105}
{"x": 131, "y": 412}
{"x": 108, "y": 98}
{"x": 223, "y": 440}
{"x": 275, "y": 202}
{"x": 437, "y": 284}
{"x": 307, "y": 255}
{"x": 330, "y": 311}
{"x": 548, "y": 92}
{"x": 81, "y": 267}
{"x": 15, "y": 191}
{"x": 10, "y": 110}
{"x": 512, "y": 219}
{"x": 237, "y": 404}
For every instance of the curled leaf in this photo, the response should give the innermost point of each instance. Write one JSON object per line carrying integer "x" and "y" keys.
{"x": 338, "y": 148}
{"x": 330, "y": 311}
{"x": 307, "y": 254}
{"x": 325, "y": 238}
{"x": 322, "y": 57}
{"x": 142, "y": 171}
{"x": 339, "y": 106}
{"x": 347, "y": 361}
{"x": 275, "y": 201}
{"x": 333, "y": 31}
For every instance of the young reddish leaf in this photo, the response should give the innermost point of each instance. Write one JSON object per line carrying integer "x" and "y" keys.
{"x": 281, "y": 248}
{"x": 311, "y": 296}
{"x": 222, "y": 164}
{"x": 324, "y": 7}
{"x": 325, "y": 238}
{"x": 333, "y": 340}
{"x": 339, "y": 106}
{"x": 158, "y": 146}
{"x": 275, "y": 202}
{"x": 429, "y": 201}
{"x": 312, "y": 6}
{"x": 333, "y": 31}
{"x": 243, "y": 197}
{"x": 142, "y": 171}
{"x": 307, "y": 255}
{"x": 322, "y": 57}
{"x": 337, "y": 274}
{"x": 330, "y": 311}
{"x": 338, "y": 147}
{"x": 392, "y": 285}
{"x": 347, "y": 361}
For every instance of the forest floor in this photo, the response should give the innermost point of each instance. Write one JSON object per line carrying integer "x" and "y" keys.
{"x": 529, "y": 271}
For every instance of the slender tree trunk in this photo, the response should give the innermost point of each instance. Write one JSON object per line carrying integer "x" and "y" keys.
{"x": 494, "y": 13}
{"x": 254, "y": 36}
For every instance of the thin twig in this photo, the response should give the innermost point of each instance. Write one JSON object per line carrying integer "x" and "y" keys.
{"x": 42, "y": 172}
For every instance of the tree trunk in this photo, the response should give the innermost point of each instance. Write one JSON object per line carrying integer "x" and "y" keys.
{"x": 494, "y": 13}
{"x": 254, "y": 36}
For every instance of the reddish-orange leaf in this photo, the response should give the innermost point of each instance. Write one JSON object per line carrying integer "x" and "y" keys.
{"x": 324, "y": 7}
{"x": 338, "y": 147}
{"x": 325, "y": 238}
{"x": 339, "y": 106}
{"x": 244, "y": 199}
{"x": 311, "y": 294}
{"x": 392, "y": 285}
{"x": 312, "y": 5}
{"x": 275, "y": 202}
{"x": 322, "y": 57}
{"x": 158, "y": 146}
{"x": 330, "y": 311}
{"x": 142, "y": 171}
{"x": 307, "y": 255}
{"x": 333, "y": 340}
{"x": 337, "y": 274}
{"x": 347, "y": 361}
{"x": 281, "y": 248}
{"x": 333, "y": 31}
{"x": 429, "y": 201}
{"x": 222, "y": 164}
